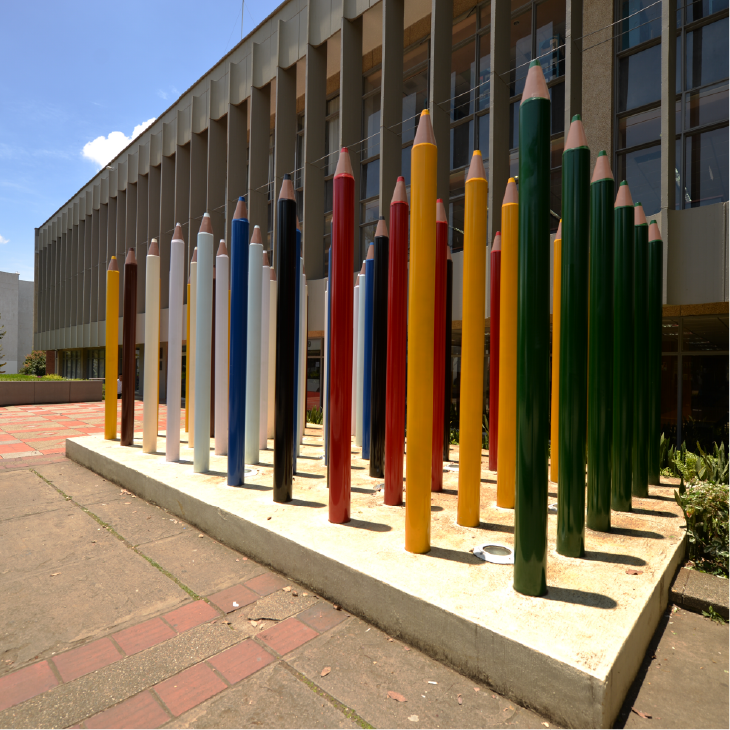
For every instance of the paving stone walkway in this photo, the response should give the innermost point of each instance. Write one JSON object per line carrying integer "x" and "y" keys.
{"x": 118, "y": 614}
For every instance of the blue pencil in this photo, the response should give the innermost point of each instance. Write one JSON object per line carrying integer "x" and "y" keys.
{"x": 238, "y": 347}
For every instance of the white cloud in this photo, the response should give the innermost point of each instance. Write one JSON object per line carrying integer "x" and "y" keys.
{"x": 104, "y": 149}
{"x": 162, "y": 94}
{"x": 4, "y": 240}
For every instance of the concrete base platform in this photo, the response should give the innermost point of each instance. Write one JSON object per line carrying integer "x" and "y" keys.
{"x": 571, "y": 656}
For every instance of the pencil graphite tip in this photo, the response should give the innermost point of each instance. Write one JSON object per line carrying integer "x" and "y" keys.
{"x": 497, "y": 243}
{"x": 287, "y": 189}
{"x": 440, "y": 211}
{"x": 399, "y": 194}
{"x": 222, "y": 248}
{"x": 131, "y": 258}
{"x": 206, "y": 225}
{"x": 194, "y": 260}
{"x": 382, "y": 228}
{"x": 266, "y": 258}
{"x": 654, "y": 234}
{"x": 510, "y": 194}
{"x": 535, "y": 86}
{"x": 256, "y": 235}
{"x": 639, "y": 215}
{"x": 559, "y": 234}
{"x": 177, "y": 236}
{"x": 623, "y": 197}
{"x": 576, "y": 135}
{"x": 476, "y": 167}
{"x": 154, "y": 248}
{"x": 602, "y": 170}
{"x": 362, "y": 270}
{"x": 371, "y": 252}
{"x": 344, "y": 166}
{"x": 113, "y": 266}
{"x": 424, "y": 133}
{"x": 241, "y": 209}
{"x": 272, "y": 274}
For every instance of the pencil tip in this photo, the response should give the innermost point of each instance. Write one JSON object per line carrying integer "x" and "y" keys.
{"x": 113, "y": 264}
{"x": 177, "y": 236}
{"x": 256, "y": 235}
{"x": 154, "y": 249}
{"x": 131, "y": 258}
{"x": 206, "y": 225}
{"x": 222, "y": 249}
{"x": 241, "y": 209}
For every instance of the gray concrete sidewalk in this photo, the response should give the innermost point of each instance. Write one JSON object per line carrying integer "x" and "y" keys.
{"x": 117, "y": 614}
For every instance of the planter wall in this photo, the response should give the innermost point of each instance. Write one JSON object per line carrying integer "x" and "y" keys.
{"x": 24, "y": 393}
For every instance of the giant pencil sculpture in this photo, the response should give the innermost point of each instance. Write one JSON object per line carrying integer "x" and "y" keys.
{"x": 495, "y": 272}
{"x": 341, "y": 340}
{"x": 286, "y": 241}
{"x": 297, "y": 330}
{"x": 367, "y": 385}
{"x": 129, "y": 337}
{"x": 152, "y": 348}
{"x": 533, "y": 337}
{"x": 174, "y": 344}
{"x": 555, "y": 384}
{"x": 265, "y": 327}
{"x": 422, "y": 274}
{"x": 239, "y": 338}
{"x": 203, "y": 346}
{"x": 623, "y": 349}
{"x": 302, "y": 361}
{"x": 654, "y": 346}
{"x": 272, "y": 355}
{"x": 212, "y": 355}
{"x": 600, "y": 346}
{"x": 447, "y": 354}
{"x": 112, "y": 349}
{"x": 253, "y": 358}
{"x": 380, "y": 350}
{"x": 187, "y": 356}
{"x": 395, "y": 403}
{"x": 574, "y": 343}
{"x": 362, "y": 286}
{"x": 192, "y": 347}
{"x": 640, "y": 461}
{"x": 222, "y": 300}
{"x": 328, "y": 356}
{"x": 472, "y": 345}
{"x": 507, "y": 446}
{"x": 439, "y": 344}
{"x": 355, "y": 308}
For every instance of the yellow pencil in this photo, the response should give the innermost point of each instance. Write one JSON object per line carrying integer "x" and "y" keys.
{"x": 111, "y": 358}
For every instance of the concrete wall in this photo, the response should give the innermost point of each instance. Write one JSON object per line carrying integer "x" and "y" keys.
{"x": 9, "y": 320}
{"x": 25, "y": 320}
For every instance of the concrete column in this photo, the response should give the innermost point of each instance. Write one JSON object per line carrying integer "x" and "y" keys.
{"x": 182, "y": 204}
{"x": 78, "y": 291}
{"x": 498, "y": 116}
{"x": 121, "y": 241}
{"x": 258, "y": 171}
{"x": 237, "y": 159}
{"x": 391, "y": 103}
{"x": 88, "y": 272}
{"x": 440, "y": 91}
{"x": 198, "y": 183}
{"x": 669, "y": 93}
{"x": 63, "y": 300}
{"x": 164, "y": 178}
{"x": 573, "y": 60}
{"x": 351, "y": 110}
{"x": 315, "y": 101}
{"x": 103, "y": 265}
{"x": 285, "y": 132}
{"x": 95, "y": 248}
{"x": 217, "y": 164}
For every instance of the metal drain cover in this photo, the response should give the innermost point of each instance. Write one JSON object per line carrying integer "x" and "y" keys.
{"x": 493, "y": 552}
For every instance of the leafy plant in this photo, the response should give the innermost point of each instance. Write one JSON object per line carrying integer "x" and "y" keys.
{"x": 485, "y": 431}
{"x": 705, "y": 508}
{"x": 713, "y": 468}
{"x": 713, "y": 615}
{"x": 314, "y": 415}
{"x": 35, "y": 363}
{"x": 453, "y": 436}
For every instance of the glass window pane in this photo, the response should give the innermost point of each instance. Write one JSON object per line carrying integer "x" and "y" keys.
{"x": 456, "y": 225}
{"x": 462, "y": 144}
{"x": 678, "y": 179}
{"x": 678, "y": 64}
{"x": 556, "y": 153}
{"x": 484, "y": 69}
{"x": 670, "y": 335}
{"x": 640, "y": 128}
{"x": 370, "y": 211}
{"x": 707, "y": 106}
{"x": 556, "y": 197}
{"x": 641, "y": 24}
{"x": 520, "y": 51}
{"x": 417, "y": 55}
{"x": 405, "y": 164}
{"x": 331, "y": 142}
{"x": 702, "y": 8}
{"x": 484, "y": 137}
{"x": 367, "y": 235}
{"x": 464, "y": 29}
{"x": 514, "y": 125}
{"x": 705, "y": 334}
{"x": 327, "y": 196}
{"x": 415, "y": 100}
{"x": 371, "y": 126}
{"x": 550, "y": 37}
{"x": 370, "y": 182}
{"x": 704, "y": 400}
{"x": 333, "y": 105}
{"x": 639, "y": 79}
{"x": 557, "y": 108}
{"x": 706, "y": 168}
{"x": 462, "y": 81}
{"x": 642, "y": 170}
{"x": 371, "y": 81}
{"x": 707, "y": 54}
{"x": 514, "y": 164}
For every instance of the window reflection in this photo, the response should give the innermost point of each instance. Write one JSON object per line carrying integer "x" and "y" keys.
{"x": 706, "y": 167}
{"x": 639, "y": 79}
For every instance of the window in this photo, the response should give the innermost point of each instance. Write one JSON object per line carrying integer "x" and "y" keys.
{"x": 370, "y": 159}
{"x": 271, "y": 194}
{"x": 415, "y": 100}
{"x": 332, "y": 147}
{"x": 298, "y": 175}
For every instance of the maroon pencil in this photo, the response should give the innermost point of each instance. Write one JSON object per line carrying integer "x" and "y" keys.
{"x": 129, "y": 337}
{"x": 395, "y": 400}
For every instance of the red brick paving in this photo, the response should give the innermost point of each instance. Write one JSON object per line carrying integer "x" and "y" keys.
{"x": 190, "y": 616}
{"x": 189, "y": 688}
{"x": 238, "y": 595}
{"x": 25, "y": 683}
{"x": 266, "y": 583}
{"x": 241, "y": 661}
{"x": 77, "y": 662}
{"x": 140, "y": 711}
{"x": 287, "y": 636}
{"x": 143, "y": 636}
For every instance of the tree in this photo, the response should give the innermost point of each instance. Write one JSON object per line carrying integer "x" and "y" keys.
{"x": 35, "y": 363}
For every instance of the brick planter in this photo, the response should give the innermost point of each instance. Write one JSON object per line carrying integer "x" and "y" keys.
{"x": 23, "y": 393}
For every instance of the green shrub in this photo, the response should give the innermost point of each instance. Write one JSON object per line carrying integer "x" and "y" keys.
{"x": 314, "y": 415}
{"x": 35, "y": 363}
{"x": 705, "y": 508}
{"x": 53, "y": 376}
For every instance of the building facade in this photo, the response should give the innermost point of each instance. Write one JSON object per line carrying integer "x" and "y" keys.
{"x": 16, "y": 317}
{"x": 650, "y": 78}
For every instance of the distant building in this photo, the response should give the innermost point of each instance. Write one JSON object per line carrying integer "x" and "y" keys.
{"x": 16, "y": 316}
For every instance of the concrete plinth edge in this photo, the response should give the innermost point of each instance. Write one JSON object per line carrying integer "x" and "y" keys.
{"x": 564, "y": 693}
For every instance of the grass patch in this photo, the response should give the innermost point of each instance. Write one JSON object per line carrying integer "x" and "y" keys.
{"x": 34, "y": 378}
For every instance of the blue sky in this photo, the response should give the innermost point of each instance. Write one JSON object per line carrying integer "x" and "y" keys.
{"x": 74, "y": 72}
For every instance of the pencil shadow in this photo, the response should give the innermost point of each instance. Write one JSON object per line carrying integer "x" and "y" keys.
{"x": 630, "y": 532}
{"x": 215, "y": 473}
{"x": 248, "y": 485}
{"x": 455, "y": 556}
{"x": 496, "y": 527}
{"x": 581, "y": 598}
{"x": 601, "y": 557}
{"x": 489, "y": 481}
{"x": 361, "y": 490}
{"x": 361, "y": 468}
{"x": 310, "y": 458}
{"x": 653, "y": 512}
{"x": 436, "y": 508}
{"x": 553, "y": 494}
{"x": 453, "y": 492}
{"x": 662, "y": 498}
{"x": 308, "y": 475}
{"x": 370, "y": 526}
{"x": 305, "y": 503}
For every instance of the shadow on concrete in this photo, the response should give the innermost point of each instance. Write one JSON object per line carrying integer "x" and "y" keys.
{"x": 365, "y": 525}
{"x": 630, "y": 532}
{"x": 361, "y": 490}
{"x": 613, "y": 558}
{"x": 249, "y": 485}
{"x": 494, "y": 527}
{"x": 582, "y": 598}
{"x": 436, "y": 508}
{"x": 653, "y": 512}
{"x": 305, "y": 503}
{"x": 298, "y": 473}
{"x": 456, "y": 556}
{"x": 489, "y": 481}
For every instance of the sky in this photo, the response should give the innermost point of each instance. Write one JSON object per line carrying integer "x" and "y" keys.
{"x": 80, "y": 79}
